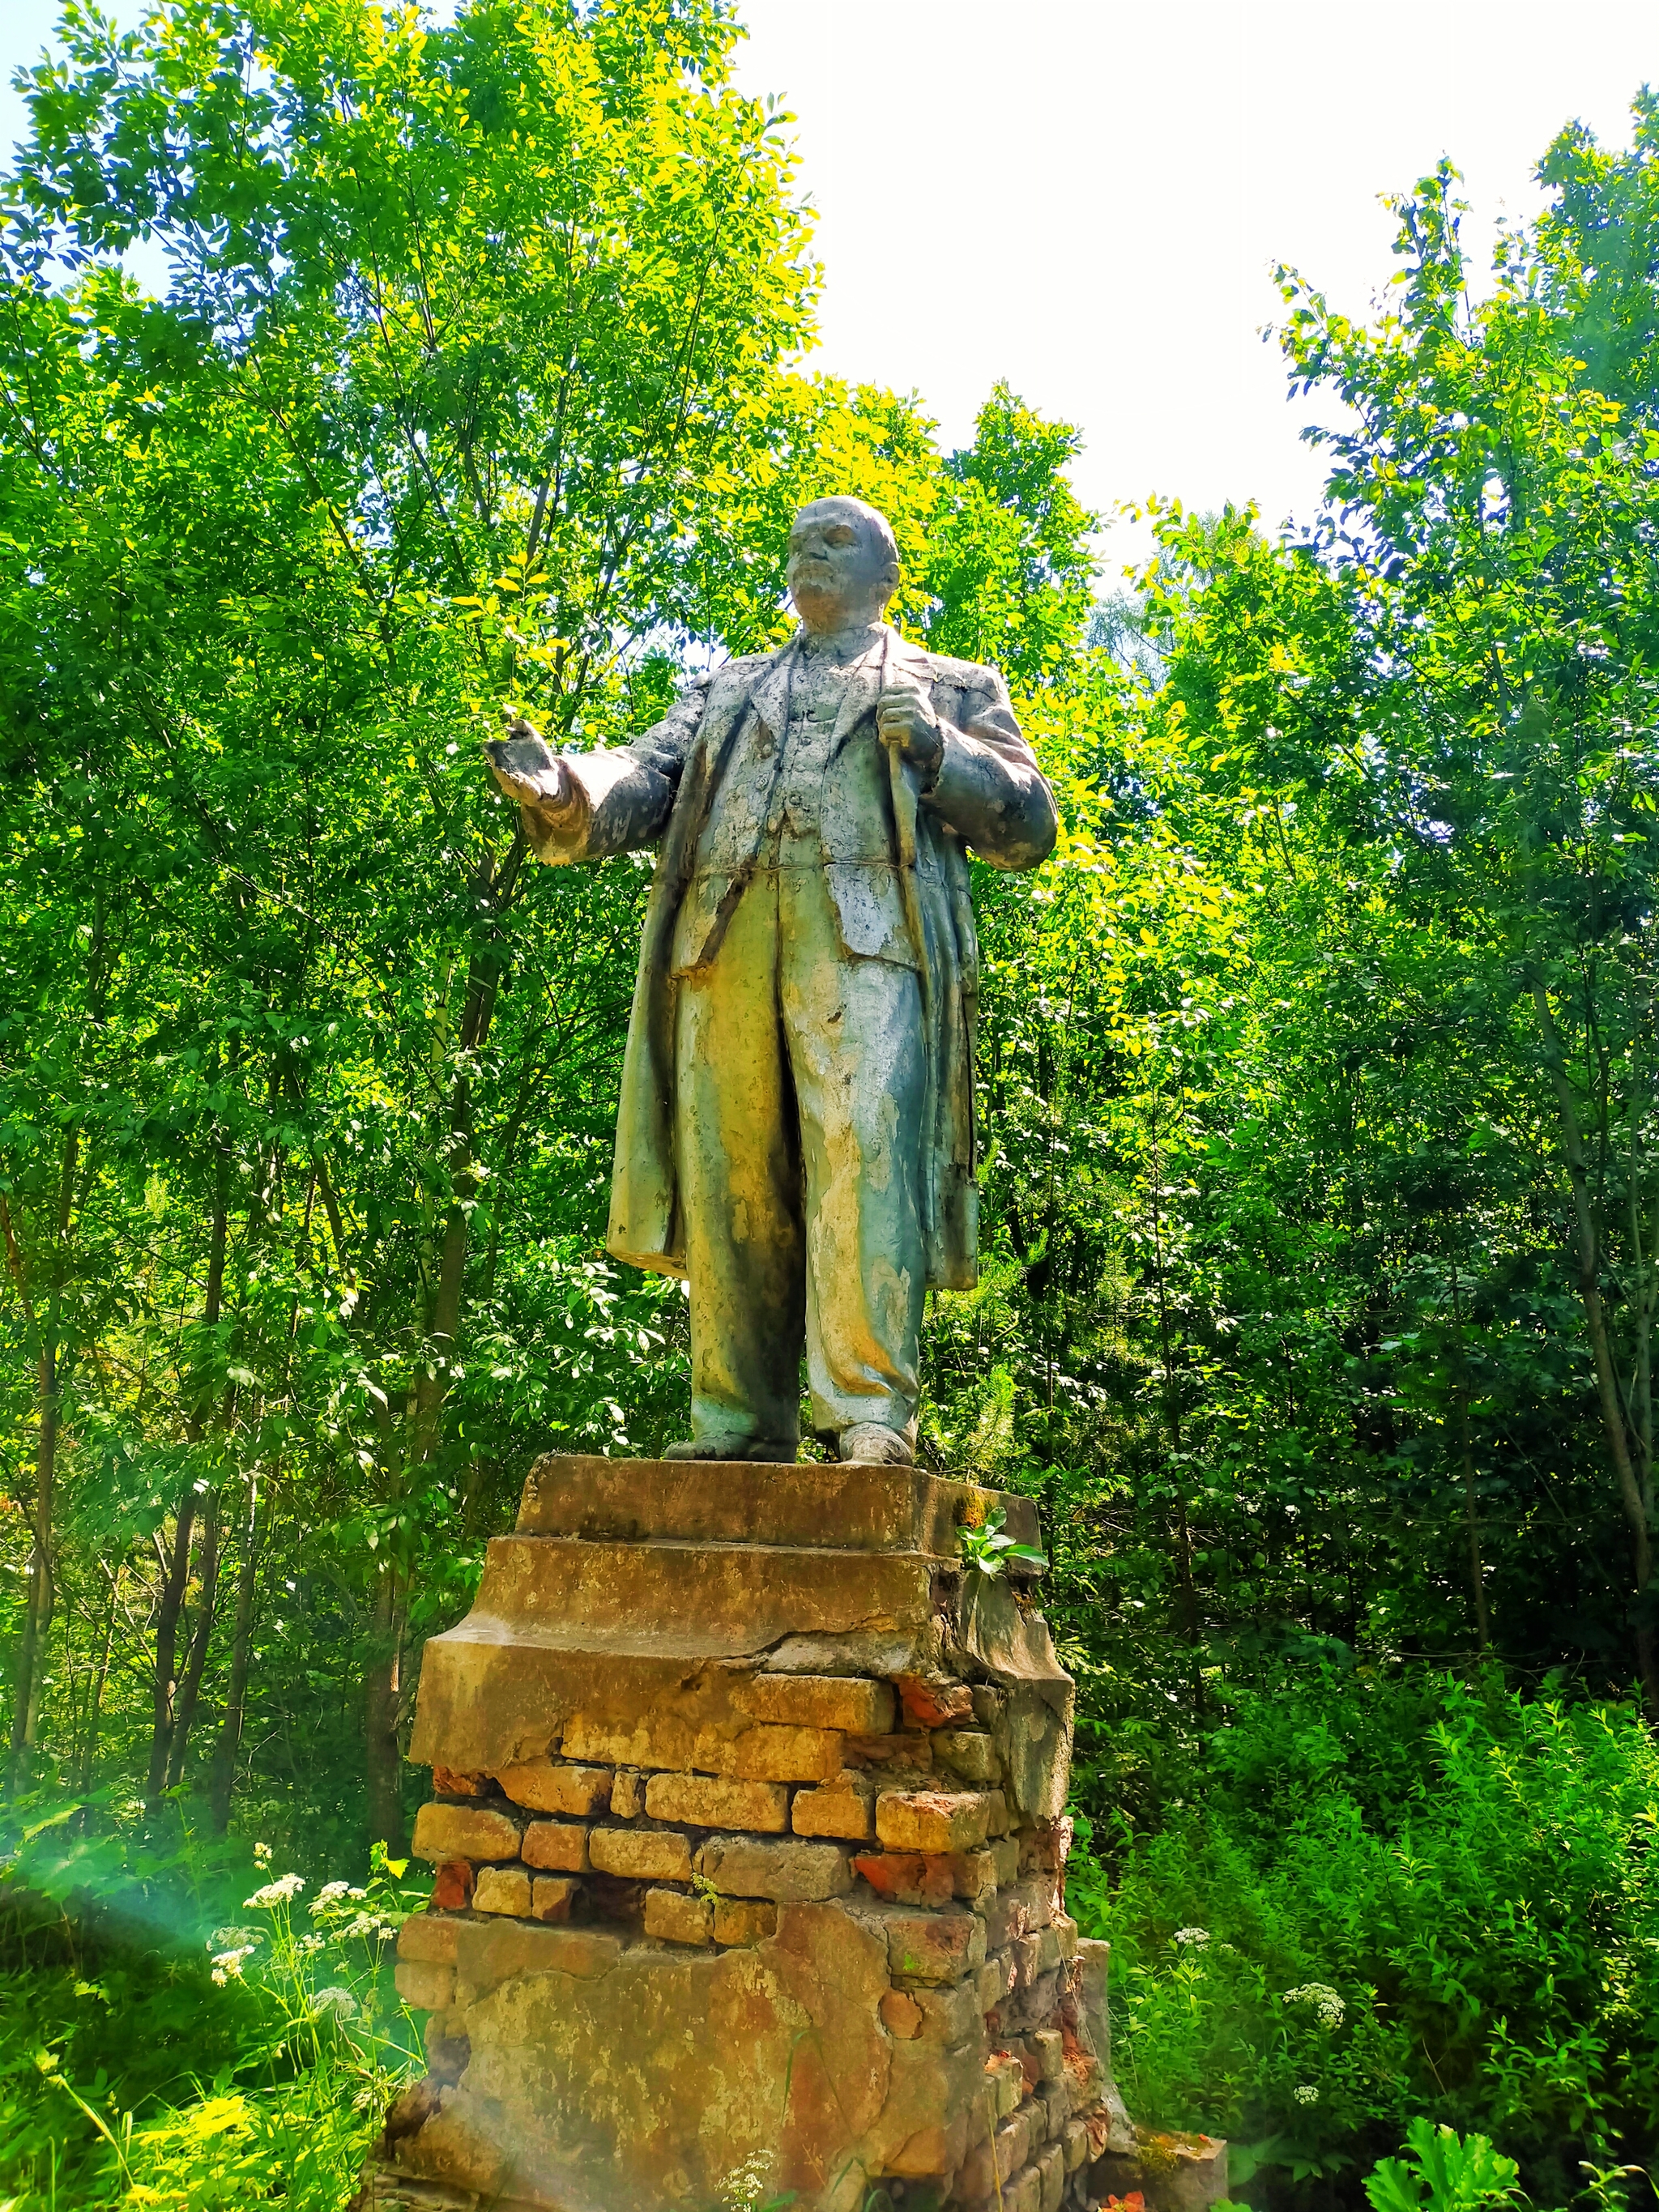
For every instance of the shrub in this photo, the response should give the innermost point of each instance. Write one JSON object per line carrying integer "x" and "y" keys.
{"x": 1377, "y": 1901}
{"x": 183, "y": 2031}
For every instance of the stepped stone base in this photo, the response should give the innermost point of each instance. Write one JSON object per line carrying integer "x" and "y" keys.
{"x": 750, "y": 1844}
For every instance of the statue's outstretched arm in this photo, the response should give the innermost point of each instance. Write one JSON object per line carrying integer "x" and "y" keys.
{"x": 988, "y": 786}
{"x": 583, "y": 806}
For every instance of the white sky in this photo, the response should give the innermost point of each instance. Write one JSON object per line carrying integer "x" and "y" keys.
{"x": 1086, "y": 197}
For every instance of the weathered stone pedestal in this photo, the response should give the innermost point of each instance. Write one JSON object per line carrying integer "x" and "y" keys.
{"x": 749, "y": 1840}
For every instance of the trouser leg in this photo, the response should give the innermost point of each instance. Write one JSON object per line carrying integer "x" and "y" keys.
{"x": 854, "y": 1034}
{"x": 739, "y": 1159}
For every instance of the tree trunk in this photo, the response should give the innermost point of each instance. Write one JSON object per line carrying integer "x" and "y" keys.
{"x": 176, "y": 1581}
{"x": 96, "y": 1702}
{"x": 383, "y": 1671}
{"x": 223, "y": 1779}
{"x": 382, "y": 1694}
{"x": 190, "y": 1688}
{"x": 1182, "y": 1532}
{"x": 42, "y": 1587}
{"x": 168, "y": 1613}
{"x": 33, "y": 1653}
{"x": 1638, "y": 1506}
{"x": 1471, "y": 1500}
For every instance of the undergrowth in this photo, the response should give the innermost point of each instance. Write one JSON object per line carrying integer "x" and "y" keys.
{"x": 182, "y": 2029}
{"x": 1380, "y": 1901}
{"x": 1379, "y": 1913}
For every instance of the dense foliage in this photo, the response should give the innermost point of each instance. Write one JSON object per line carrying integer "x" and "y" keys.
{"x": 1319, "y": 1067}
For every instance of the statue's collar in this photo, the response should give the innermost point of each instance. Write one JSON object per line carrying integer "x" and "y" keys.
{"x": 843, "y": 645}
{"x": 857, "y": 643}
{"x": 883, "y": 651}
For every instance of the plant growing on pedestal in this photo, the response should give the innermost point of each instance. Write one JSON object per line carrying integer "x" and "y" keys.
{"x": 987, "y": 1551}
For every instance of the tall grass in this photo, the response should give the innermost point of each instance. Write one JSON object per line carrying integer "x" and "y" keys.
{"x": 1379, "y": 1902}
{"x": 183, "y": 2029}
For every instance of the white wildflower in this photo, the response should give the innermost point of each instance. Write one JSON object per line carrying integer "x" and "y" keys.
{"x": 330, "y": 1893}
{"x": 339, "y": 2001}
{"x": 1305, "y": 2093}
{"x": 1198, "y": 1936}
{"x": 261, "y": 1854}
{"x": 1328, "y": 2005}
{"x": 364, "y": 1923}
{"x": 226, "y": 1939}
{"x": 309, "y": 1945}
{"x": 741, "y": 2189}
{"x": 278, "y": 1892}
{"x": 356, "y": 1895}
{"x": 227, "y": 1965}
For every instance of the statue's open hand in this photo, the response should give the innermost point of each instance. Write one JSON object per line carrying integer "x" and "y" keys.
{"x": 905, "y": 718}
{"x": 528, "y": 771}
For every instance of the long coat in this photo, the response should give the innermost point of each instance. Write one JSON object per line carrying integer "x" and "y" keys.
{"x": 707, "y": 780}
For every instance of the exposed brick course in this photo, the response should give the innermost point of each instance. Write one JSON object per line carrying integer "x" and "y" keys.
{"x": 933, "y": 1819}
{"x": 545, "y": 1786}
{"x": 1051, "y": 2165}
{"x": 716, "y": 1801}
{"x": 787, "y": 1871}
{"x": 766, "y": 1752}
{"x": 834, "y": 1811}
{"x": 447, "y": 1782}
{"x": 935, "y": 1705}
{"x": 552, "y": 1897}
{"x": 949, "y": 2014}
{"x": 996, "y": 1979}
{"x": 852, "y": 1822}
{"x": 935, "y": 1946}
{"x": 503, "y": 1889}
{"x": 674, "y": 1918}
{"x": 641, "y": 1854}
{"x": 968, "y": 1753}
{"x": 821, "y": 1701}
{"x": 1044, "y": 1849}
{"x": 743, "y": 1920}
{"x": 558, "y": 1846}
{"x": 1024, "y": 2191}
{"x": 451, "y": 1887}
{"x": 464, "y": 1832}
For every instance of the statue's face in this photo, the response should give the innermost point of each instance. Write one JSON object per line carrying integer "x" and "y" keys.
{"x": 840, "y": 572}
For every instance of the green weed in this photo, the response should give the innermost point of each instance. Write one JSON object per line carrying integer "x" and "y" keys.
{"x": 184, "y": 2031}
{"x": 1322, "y": 1944}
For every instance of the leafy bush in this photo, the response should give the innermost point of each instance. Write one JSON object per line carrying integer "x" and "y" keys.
{"x": 1379, "y": 1900}
{"x": 1441, "y": 2172}
{"x": 182, "y": 2030}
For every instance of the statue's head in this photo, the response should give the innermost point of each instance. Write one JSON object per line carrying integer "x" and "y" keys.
{"x": 843, "y": 563}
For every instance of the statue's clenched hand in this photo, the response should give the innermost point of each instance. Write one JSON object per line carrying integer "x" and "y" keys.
{"x": 905, "y": 718}
{"x": 527, "y": 770}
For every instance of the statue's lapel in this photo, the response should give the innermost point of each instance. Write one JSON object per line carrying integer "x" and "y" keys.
{"x": 904, "y": 659}
{"x": 884, "y": 659}
{"x": 769, "y": 694}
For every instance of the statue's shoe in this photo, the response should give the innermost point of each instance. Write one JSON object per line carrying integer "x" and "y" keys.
{"x": 730, "y": 1447}
{"x": 868, "y": 1443}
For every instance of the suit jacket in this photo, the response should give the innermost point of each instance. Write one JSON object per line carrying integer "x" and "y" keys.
{"x": 706, "y": 780}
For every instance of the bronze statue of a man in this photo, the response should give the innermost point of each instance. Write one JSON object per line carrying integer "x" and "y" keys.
{"x": 796, "y": 1129}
